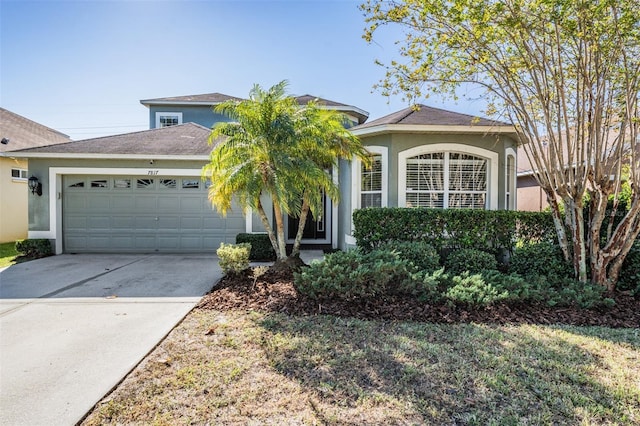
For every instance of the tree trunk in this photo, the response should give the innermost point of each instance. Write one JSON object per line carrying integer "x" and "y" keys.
{"x": 267, "y": 227}
{"x": 575, "y": 214}
{"x": 560, "y": 229}
{"x": 304, "y": 212}
{"x": 282, "y": 246}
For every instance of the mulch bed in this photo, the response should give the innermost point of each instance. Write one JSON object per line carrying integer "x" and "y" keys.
{"x": 274, "y": 292}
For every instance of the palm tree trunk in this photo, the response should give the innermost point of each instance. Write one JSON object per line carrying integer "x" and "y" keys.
{"x": 267, "y": 226}
{"x": 282, "y": 247}
{"x": 302, "y": 221}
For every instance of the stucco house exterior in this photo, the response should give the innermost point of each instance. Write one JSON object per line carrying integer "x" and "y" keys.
{"x": 142, "y": 191}
{"x": 17, "y": 132}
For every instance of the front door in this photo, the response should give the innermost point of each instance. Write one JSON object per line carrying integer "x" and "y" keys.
{"x": 315, "y": 229}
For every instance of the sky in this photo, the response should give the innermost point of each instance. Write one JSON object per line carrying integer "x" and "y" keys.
{"x": 82, "y": 67}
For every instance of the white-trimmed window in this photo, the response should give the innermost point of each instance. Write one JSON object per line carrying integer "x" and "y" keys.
{"x": 447, "y": 176}
{"x": 510, "y": 181}
{"x": 166, "y": 119}
{"x": 370, "y": 182}
{"x": 19, "y": 174}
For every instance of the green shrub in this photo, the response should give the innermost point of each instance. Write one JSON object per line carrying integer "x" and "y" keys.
{"x": 630, "y": 273}
{"x": 474, "y": 290}
{"x": 234, "y": 258}
{"x": 540, "y": 259}
{"x": 261, "y": 248}
{"x": 489, "y": 230}
{"x": 570, "y": 292}
{"x": 34, "y": 248}
{"x": 469, "y": 260}
{"x": 423, "y": 256}
{"x": 352, "y": 275}
{"x": 425, "y": 286}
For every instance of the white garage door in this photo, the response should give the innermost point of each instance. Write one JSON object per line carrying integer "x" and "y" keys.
{"x": 142, "y": 214}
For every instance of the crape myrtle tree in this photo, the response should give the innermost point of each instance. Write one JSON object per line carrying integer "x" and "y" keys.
{"x": 277, "y": 148}
{"x": 566, "y": 73}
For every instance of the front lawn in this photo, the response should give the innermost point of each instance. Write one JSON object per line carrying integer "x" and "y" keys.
{"x": 247, "y": 367}
{"x": 8, "y": 254}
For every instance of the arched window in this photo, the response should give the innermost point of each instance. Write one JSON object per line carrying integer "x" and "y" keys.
{"x": 455, "y": 177}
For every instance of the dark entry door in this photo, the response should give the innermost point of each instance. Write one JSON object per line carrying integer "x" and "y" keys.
{"x": 314, "y": 229}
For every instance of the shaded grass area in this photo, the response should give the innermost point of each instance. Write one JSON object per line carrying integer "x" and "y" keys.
{"x": 240, "y": 367}
{"x": 8, "y": 254}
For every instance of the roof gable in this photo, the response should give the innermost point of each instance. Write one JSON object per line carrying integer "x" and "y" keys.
{"x": 182, "y": 140}
{"x": 21, "y": 133}
{"x": 422, "y": 115}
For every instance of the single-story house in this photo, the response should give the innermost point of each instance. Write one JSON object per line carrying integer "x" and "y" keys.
{"x": 142, "y": 191}
{"x": 17, "y": 132}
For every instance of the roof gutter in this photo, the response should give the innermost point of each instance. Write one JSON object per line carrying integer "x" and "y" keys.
{"x": 104, "y": 156}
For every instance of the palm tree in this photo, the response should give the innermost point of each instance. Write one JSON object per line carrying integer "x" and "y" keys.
{"x": 323, "y": 141}
{"x": 277, "y": 148}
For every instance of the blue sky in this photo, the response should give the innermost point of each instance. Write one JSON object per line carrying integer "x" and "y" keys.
{"x": 82, "y": 67}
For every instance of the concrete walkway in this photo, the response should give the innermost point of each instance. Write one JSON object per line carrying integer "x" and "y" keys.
{"x": 72, "y": 326}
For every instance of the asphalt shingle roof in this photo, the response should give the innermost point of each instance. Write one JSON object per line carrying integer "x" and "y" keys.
{"x": 181, "y": 140}
{"x": 207, "y": 98}
{"x": 24, "y": 133}
{"x": 425, "y": 115}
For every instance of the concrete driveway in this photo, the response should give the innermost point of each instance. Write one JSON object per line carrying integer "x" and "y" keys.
{"x": 72, "y": 326}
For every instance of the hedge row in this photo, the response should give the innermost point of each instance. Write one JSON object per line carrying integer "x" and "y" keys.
{"x": 493, "y": 230}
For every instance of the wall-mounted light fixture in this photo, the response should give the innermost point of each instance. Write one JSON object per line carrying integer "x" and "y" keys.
{"x": 35, "y": 186}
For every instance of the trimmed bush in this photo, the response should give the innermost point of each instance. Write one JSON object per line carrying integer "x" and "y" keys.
{"x": 34, "y": 248}
{"x": 488, "y": 230}
{"x": 234, "y": 258}
{"x": 261, "y": 248}
{"x": 469, "y": 260}
{"x": 352, "y": 275}
{"x": 426, "y": 287}
{"x": 474, "y": 290}
{"x": 540, "y": 259}
{"x": 423, "y": 256}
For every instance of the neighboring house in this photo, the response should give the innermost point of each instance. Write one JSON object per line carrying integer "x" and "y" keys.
{"x": 17, "y": 132}
{"x": 142, "y": 192}
{"x": 531, "y": 197}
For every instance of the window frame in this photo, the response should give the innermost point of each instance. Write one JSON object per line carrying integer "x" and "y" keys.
{"x": 491, "y": 198}
{"x": 177, "y": 115}
{"x": 23, "y": 174}
{"x": 356, "y": 177}
{"x": 510, "y": 180}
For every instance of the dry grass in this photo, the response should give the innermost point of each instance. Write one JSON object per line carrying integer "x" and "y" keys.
{"x": 237, "y": 367}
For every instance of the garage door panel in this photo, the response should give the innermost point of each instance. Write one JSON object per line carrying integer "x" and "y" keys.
{"x": 191, "y": 203}
{"x": 168, "y": 223}
{"x": 122, "y": 222}
{"x": 76, "y": 223}
{"x": 121, "y": 203}
{"x": 99, "y": 222}
{"x": 165, "y": 242}
{"x": 145, "y": 202}
{"x": 99, "y": 204}
{"x": 191, "y": 223}
{"x": 76, "y": 201}
{"x": 145, "y": 242}
{"x": 122, "y": 241}
{"x": 99, "y": 242}
{"x": 146, "y": 222}
{"x": 142, "y": 215}
{"x": 168, "y": 203}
